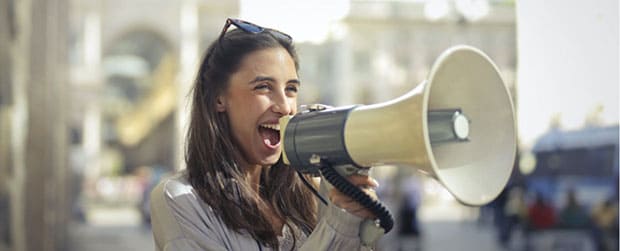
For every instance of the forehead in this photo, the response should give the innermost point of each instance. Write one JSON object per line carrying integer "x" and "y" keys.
{"x": 276, "y": 62}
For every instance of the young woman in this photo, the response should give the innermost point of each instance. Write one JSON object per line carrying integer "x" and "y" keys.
{"x": 235, "y": 193}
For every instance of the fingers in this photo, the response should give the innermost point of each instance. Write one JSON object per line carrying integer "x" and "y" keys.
{"x": 363, "y": 181}
{"x": 355, "y": 208}
{"x": 367, "y": 184}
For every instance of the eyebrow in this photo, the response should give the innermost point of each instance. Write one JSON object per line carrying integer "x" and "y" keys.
{"x": 270, "y": 79}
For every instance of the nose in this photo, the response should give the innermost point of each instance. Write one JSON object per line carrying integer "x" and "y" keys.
{"x": 283, "y": 104}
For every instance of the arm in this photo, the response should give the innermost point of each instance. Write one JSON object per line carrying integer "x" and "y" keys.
{"x": 338, "y": 229}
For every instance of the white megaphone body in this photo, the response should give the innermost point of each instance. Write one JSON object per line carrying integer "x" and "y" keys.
{"x": 458, "y": 127}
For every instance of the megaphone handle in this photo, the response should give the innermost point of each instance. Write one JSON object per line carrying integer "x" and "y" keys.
{"x": 386, "y": 221}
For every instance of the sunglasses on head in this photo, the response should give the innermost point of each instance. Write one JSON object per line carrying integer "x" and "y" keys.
{"x": 252, "y": 28}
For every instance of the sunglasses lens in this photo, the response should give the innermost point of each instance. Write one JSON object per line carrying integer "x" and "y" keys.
{"x": 248, "y": 27}
{"x": 280, "y": 35}
{"x": 253, "y": 28}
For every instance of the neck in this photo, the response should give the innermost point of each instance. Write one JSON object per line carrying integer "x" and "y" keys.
{"x": 252, "y": 174}
{"x": 250, "y": 171}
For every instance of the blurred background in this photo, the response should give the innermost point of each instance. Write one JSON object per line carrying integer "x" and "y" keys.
{"x": 94, "y": 102}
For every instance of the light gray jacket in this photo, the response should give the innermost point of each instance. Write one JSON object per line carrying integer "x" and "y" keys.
{"x": 182, "y": 221}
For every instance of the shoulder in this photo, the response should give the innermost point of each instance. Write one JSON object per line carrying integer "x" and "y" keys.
{"x": 178, "y": 214}
{"x": 175, "y": 210}
{"x": 173, "y": 186}
{"x": 176, "y": 194}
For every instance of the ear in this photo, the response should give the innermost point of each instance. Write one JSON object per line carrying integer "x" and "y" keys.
{"x": 220, "y": 104}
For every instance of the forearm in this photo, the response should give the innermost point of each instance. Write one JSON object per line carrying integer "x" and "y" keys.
{"x": 336, "y": 230}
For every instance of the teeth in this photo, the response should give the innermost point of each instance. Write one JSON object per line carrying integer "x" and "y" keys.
{"x": 272, "y": 126}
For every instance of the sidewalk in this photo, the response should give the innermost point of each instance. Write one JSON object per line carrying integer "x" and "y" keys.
{"x": 117, "y": 230}
{"x": 446, "y": 235}
{"x": 465, "y": 235}
{"x": 110, "y": 238}
{"x": 438, "y": 236}
{"x": 110, "y": 229}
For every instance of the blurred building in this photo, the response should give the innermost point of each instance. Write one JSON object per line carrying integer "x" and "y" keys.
{"x": 382, "y": 49}
{"x": 34, "y": 135}
{"x": 94, "y": 88}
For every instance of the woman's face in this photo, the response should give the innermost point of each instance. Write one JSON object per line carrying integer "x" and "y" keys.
{"x": 258, "y": 94}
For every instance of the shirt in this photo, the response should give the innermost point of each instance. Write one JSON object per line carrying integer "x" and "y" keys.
{"x": 181, "y": 220}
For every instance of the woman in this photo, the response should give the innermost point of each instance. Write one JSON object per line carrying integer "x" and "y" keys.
{"x": 235, "y": 194}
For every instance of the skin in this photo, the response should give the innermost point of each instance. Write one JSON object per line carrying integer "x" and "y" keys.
{"x": 263, "y": 89}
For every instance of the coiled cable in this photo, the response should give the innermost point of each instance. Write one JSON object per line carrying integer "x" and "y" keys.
{"x": 386, "y": 221}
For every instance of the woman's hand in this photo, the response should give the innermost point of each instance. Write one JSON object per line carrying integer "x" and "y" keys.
{"x": 367, "y": 184}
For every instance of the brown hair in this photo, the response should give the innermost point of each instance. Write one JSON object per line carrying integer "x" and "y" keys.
{"x": 211, "y": 165}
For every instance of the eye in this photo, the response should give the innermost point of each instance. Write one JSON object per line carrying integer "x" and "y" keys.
{"x": 292, "y": 88}
{"x": 262, "y": 87}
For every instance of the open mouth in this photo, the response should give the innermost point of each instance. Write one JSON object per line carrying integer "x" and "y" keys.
{"x": 270, "y": 134}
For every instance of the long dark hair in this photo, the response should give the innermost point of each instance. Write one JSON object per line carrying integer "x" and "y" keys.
{"x": 211, "y": 165}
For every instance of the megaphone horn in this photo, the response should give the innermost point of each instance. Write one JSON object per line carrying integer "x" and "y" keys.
{"x": 457, "y": 126}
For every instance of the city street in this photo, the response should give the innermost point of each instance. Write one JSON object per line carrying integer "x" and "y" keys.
{"x": 119, "y": 230}
{"x": 105, "y": 238}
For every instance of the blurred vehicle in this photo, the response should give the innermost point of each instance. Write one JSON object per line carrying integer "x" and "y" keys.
{"x": 584, "y": 165}
{"x": 585, "y": 160}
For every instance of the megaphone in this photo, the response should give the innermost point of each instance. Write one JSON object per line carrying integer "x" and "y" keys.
{"x": 458, "y": 126}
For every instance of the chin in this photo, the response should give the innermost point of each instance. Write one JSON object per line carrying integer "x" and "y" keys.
{"x": 270, "y": 160}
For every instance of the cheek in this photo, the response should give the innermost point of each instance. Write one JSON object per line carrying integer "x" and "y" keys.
{"x": 293, "y": 105}
{"x": 256, "y": 106}
{"x": 250, "y": 110}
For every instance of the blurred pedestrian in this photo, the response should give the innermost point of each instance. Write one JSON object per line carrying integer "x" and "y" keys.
{"x": 5, "y": 215}
{"x": 515, "y": 212}
{"x": 148, "y": 177}
{"x": 498, "y": 205}
{"x": 573, "y": 214}
{"x": 605, "y": 225}
{"x": 541, "y": 214}
{"x": 409, "y": 227}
